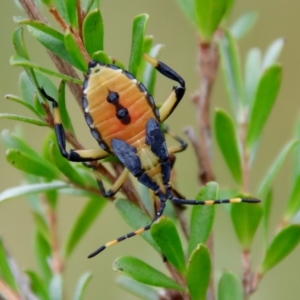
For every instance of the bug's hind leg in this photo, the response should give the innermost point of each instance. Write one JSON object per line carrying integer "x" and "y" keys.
{"x": 178, "y": 91}
{"x": 131, "y": 234}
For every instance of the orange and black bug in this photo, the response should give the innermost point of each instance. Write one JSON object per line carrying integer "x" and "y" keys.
{"x": 125, "y": 121}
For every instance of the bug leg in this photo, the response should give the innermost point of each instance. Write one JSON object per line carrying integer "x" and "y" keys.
{"x": 213, "y": 202}
{"x": 131, "y": 234}
{"x": 72, "y": 155}
{"x": 178, "y": 148}
{"x": 115, "y": 187}
{"x": 178, "y": 91}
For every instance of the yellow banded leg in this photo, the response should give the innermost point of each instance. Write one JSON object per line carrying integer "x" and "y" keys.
{"x": 178, "y": 91}
{"x": 115, "y": 187}
{"x": 178, "y": 148}
{"x": 214, "y": 202}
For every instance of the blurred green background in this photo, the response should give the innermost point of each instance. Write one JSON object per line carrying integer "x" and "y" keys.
{"x": 169, "y": 26}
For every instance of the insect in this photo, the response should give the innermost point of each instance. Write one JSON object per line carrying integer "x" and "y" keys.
{"x": 124, "y": 120}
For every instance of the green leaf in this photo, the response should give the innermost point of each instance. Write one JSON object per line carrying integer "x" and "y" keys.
{"x": 55, "y": 287}
{"x": 273, "y": 53}
{"x": 166, "y": 236}
{"x": 20, "y": 48}
{"x": 149, "y": 74}
{"x": 209, "y": 14}
{"x": 37, "y": 285}
{"x": 53, "y": 44}
{"x": 23, "y": 119}
{"x": 136, "y": 219}
{"x": 29, "y": 164}
{"x": 74, "y": 51}
{"x": 202, "y": 217}
{"x": 83, "y": 222}
{"x": 276, "y": 165}
{"x": 31, "y": 189}
{"x": 42, "y": 255}
{"x": 188, "y": 7}
{"x": 232, "y": 71}
{"x": 228, "y": 144}
{"x": 103, "y": 57}
{"x": 243, "y": 24}
{"x": 284, "y": 242}
{"x": 293, "y": 204}
{"x": 230, "y": 287}
{"x": 252, "y": 74}
{"x": 6, "y": 273}
{"x": 65, "y": 166}
{"x": 142, "y": 272}
{"x": 22, "y": 102}
{"x": 42, "y": 226}
{"x": 93, "y": 32}
{"x": 61, "y": 7}
{"x": 19, "y": 61}
{"x": 267, "y": 90}
{"x": 41, "y": 27}
{"x": 138, "y": 289}
{"x": 64, "y": 114}
{"x": 246, "y": 218}
{"x": 71, "y": 8}
{"x": 137, "y": 41}
{"x": 266, "y": 214}
{"x": 198, "y": 273}
{"x": 82, "y": 285}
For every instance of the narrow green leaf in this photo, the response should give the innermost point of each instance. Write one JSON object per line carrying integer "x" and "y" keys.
{"x": 22, "y": 102}
{"x": 42, "y": 226}
{"x": 296, "y": 152}
{"x": 87, "y": 5}
{"x": 142, "y": 272}
{"x": 137, "y": 41}
{"x": 29, "y": 164}
{"x": 53, "y": 44}
{"x": 198, "y": 273}
{"x": 82, "y": 285}
{"x": 138, "y": 289}
{"x": 252, "y": 74}
{"x": 166, "y": 236}
{"x": 202, "y": 217}
{"x": 74, "y": 51}
{"x": 37, "y": 285}
{"x": 43, "y": 28}
{"x": 188, "y": 7}
{"x": 71, "y": 8}
{"x": 65, "y": 166}
{"x": 149, "y": 74}
{"x": 64, "y": 114}
{"x": 93, "y": 32}
{"x": 293, "y": 204}
{"x": 230, "y": 287}
{"x": 273, "y": 53}
{"x": 19, "y": 61}
{"x": 55, "y": 287}
{"x": 103, "y": 57}
{"x": 243, "y": 24}
{"x": 267, "y": 90}
{"x": 147, "y": 45}
{"x": 276, "y": 165}
{"x": 21, "y": 50}
{"x": 23, "y": 119}
{"x": 5, "y": 269}
{"x": 61, "y": 7}
{"x": 42, "y": 255}
{"x": 228, "y": 144}
{"x": 246, "y": 218}
{"x": 232, "y": 71}
{"x": 31, "y": 189}
{"x": 209, "y": 14}
{"x": 83, "y": 222}
{"x": 283, "y": 243}
{"x": 136, "y": 219}
{"x": 267, "y": 202}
